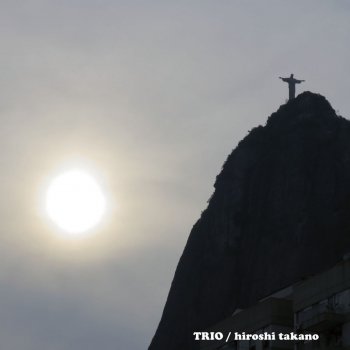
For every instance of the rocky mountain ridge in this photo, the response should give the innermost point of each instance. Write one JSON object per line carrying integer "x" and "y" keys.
{"x": 280, "y": 212}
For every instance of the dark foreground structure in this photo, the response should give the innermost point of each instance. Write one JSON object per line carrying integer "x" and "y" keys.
{"x": 319, "y": 305}
{"x": 280, "y": 213}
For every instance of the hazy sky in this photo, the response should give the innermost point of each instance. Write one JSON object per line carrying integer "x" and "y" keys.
{"x": 151, "y": 97}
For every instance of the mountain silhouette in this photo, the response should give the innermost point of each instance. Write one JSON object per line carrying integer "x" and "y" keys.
{"x": 280, "y": 212}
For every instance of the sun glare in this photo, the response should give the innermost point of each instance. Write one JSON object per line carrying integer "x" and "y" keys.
{"x": 75, "y": 202}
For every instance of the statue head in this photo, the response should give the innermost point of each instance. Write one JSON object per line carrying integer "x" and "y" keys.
{"x": 292, "y": 75}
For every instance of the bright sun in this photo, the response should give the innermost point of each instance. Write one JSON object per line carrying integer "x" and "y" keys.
{"x": 75, "y": 202}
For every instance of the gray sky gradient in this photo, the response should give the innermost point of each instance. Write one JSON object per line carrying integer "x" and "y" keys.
{"x": 151, "y": 97}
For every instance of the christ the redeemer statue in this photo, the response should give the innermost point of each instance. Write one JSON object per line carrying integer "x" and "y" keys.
{"x": 291, "y": 85}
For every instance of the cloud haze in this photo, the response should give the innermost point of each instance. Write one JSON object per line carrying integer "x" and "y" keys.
{"x": 151, "y": 96}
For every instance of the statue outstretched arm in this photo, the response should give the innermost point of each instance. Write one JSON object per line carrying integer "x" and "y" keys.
{"x": 299, "y": 81}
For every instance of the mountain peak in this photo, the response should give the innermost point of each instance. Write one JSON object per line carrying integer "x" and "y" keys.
{"x": 305, "y": 105}
{"x": 308, "y": 99}
{"x": 279, "y": 213}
